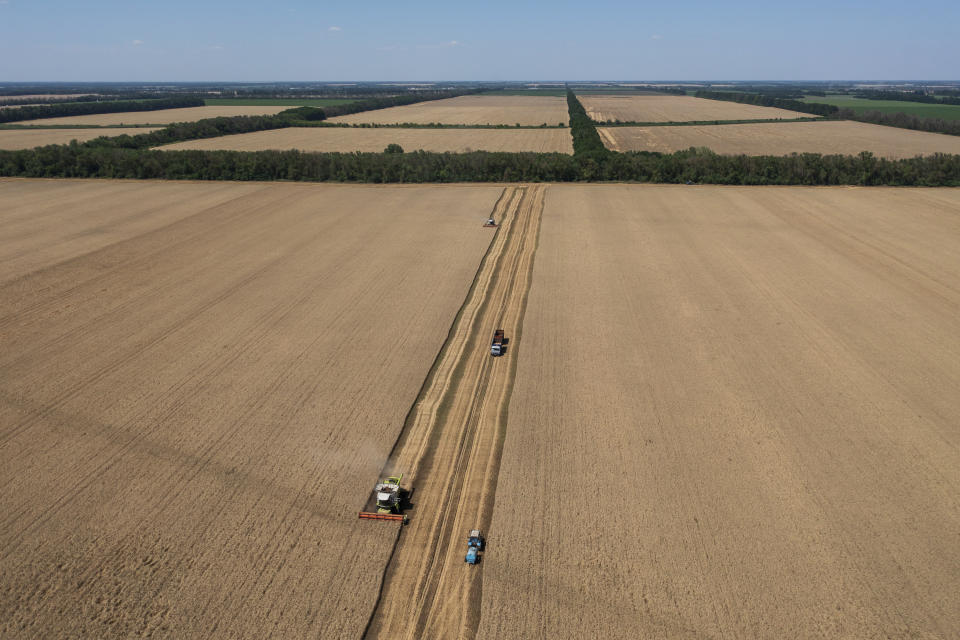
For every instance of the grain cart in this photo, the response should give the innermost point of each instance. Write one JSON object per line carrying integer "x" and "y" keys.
{"x": 474, "y": 547}
{"x": 386, "y": 501}
{"x": 496, "y": 347}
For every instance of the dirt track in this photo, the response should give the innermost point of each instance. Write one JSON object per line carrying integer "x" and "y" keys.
{"x": 451, "y": 447}
{"x": 735, "y": 416}
{"x": 199, "y": 385}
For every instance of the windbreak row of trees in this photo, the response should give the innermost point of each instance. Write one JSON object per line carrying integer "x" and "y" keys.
{"x": 586, "y": 140}
{"x": 693, "y": 165}
{"x": 906, "y": 96}
{"x": 207, "y": 128}
{"x": 87, "y": 108}
{"x": 903, "y": 121}
{"x": 815, "y": 108}
{"x": 61, "y": 99}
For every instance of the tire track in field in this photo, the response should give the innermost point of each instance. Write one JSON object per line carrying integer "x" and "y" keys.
{"x": 126, "y": 255}
{"x": 197, "y": 380}
{"x": 450, "y": 448}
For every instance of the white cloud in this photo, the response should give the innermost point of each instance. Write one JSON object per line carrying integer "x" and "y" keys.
{"x": 215, "y": 47}
{"x": 656, "y": 36}
{"x": 442, "y": 45}
{"x": 137, "y": 43}
{"x": 334, "y": 29}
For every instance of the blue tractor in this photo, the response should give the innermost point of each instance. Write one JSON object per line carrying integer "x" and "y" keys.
{"x": 474, "y": 547}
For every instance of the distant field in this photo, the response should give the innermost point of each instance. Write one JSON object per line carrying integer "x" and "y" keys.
{"x": 345, "y": 139}
{"x": 667, "y": 108}
{"x": 563, "y": 92}
{"x": 782, "y": 138}
{"x": 919, "y": 109}
{"x": 528, "y": 92}
{"x": 29, "y": 138}
{"x": 163, "y": 116}
{"x": 45, "y": 96}
{"x": 525, "y": 110}
{"x": 276, "y": 102}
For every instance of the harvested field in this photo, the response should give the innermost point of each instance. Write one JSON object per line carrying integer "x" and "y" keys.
{"x": 526, "y": 110}
{"x": 29, "y": 138}
{"x": 783, "y": 138}
{"x": 162, "y": 116}
{"x": 350, "y": 139}
{"x": 675, "y": 109}
{"x": 735, "y": 415}
{"x": 451, "y": 445}
{"x": 200, "y": 386}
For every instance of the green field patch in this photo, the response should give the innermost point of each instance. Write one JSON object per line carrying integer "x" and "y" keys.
{"x": 918, "y": 109}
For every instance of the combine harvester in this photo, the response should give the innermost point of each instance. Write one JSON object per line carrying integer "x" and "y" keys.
{"x": 490, "y": 222}
{"x": 386, "y": 501}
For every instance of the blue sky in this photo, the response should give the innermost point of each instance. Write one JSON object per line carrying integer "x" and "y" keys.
{"x": 56, "y": 40}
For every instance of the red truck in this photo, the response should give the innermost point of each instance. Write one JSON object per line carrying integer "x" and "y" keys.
{"x": 496, "y": 347}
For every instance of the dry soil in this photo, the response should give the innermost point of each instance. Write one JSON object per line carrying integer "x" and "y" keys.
{"x": 29, "y": 138}
{"x": 351, "y": 139}
{"x": 783, "y": 138}
{"x": 200, "y": 384}
{"x": 735, "y": 415}
{"x": 526, "y": 110}
{"x": 675, "y": 109}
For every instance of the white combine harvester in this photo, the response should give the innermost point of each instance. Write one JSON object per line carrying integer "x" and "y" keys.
{"x": 386, "y": 501}
{"x": 388, "y": 495}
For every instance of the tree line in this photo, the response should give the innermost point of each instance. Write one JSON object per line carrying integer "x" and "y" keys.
{"x": 816, "y": 108}
{"x": 96, "y": 97}
{"x": 903, "y": 121}
{"x": 906, "y": 96}
{"x": 586, "y": 140}
{"x": 87, "y": 108}
{"x": 131, "y": 157}
{"x": 689, "y": 166}
{"x": 206, "y": 128}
